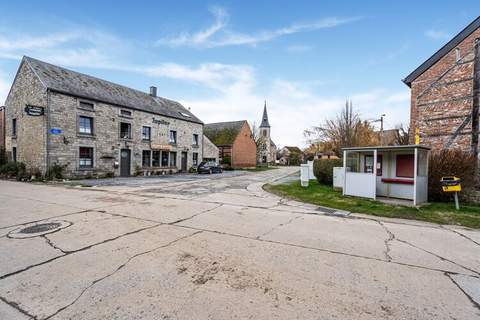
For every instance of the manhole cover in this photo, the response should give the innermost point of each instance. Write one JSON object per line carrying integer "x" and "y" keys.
{"x": 40, "y": 228}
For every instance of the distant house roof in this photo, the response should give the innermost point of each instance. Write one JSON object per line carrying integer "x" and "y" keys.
{"x": 84, "y": 86}
{"x": 293, "y": 149}
{"x": 223, "y": 133}
{"x": 443, "y": 51}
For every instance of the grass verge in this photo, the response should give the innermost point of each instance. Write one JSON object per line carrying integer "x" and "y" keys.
{"x": 259, "y": 169}
{"x": 322, "y": 195}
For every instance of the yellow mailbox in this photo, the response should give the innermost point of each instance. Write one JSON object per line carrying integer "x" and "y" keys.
{"x": 451, "y": 184}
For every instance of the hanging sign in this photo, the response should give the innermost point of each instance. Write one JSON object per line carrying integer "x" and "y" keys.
{"x": 34, "y": 110}
{"x": 56, "y": 131}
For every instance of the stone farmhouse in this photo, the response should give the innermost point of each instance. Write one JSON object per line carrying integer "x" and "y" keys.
{"x": 290, "y": 156}
{"x": 445, "y": 94}
{"x": 235, "y": 143}
{"x": 93, "y": 127}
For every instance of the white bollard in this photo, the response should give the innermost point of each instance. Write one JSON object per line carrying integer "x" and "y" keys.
{"x": 311, "y": 175}
{"x": 304, "y": 175}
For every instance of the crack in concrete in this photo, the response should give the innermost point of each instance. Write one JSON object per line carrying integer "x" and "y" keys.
{"x": 78, "y": 250}
{"x": 324, "y": 250}
{"x": 387, "y": 241}
{"x": 195, "y": 215}
{"x": 118, "y": 269}
{"x": 440, "y": 257}
{"x": 461, "y": 235}
{"x": 51, "y": 244}
{"x": 278, "y": 226}
{"x": 475, "y": 303}
{"x": 15, "y": 306}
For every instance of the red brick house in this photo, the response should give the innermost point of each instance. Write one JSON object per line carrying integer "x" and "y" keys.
{"x": 445, "y": 94}
{"x": 2, "y": 127}
{"x": 234, "y": 141}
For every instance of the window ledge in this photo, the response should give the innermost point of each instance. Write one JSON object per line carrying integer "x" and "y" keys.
{"x": 85, "y": 109}
{"x": 126, "y": 139}
{"x": 85, "y": 135}
{"x": 196, "y": 146}
{"x": 86, "y": 169}
{"x": 147, "y": 140}
{"x": 173, "y": 144}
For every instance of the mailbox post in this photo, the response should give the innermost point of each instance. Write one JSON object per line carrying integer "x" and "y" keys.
{"x": 452, "y": 184}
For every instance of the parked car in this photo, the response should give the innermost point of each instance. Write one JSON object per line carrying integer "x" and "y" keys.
{"x": 209, "y": 167}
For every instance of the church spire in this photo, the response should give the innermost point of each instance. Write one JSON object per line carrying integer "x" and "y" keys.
{"x": 265, "y": 123}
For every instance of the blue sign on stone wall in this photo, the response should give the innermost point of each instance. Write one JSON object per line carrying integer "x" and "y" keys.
{"x": 56, "y": 131}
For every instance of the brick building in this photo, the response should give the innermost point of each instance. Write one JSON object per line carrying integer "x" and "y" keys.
{"x": 2, "y": 128}
{"x": 235, "y": 142}
{"x": 445, "y": 94}
{"x": 93, "y": 127}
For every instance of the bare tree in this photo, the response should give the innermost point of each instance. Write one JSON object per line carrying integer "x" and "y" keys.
{"x": 257, "y": 137}
{"x": 347, "y": 129}
{"x": 402, "y": 135}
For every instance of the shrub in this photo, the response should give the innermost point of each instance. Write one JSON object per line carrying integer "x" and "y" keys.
{"x": 323, "y": 169}
{"x": 3, "y": 156}
{"x": 449, "y": 163}
{"x": 13, "y": 169}
{"x": 295, "y": 159}
{"x": 227, "y": 160}
{"x": 55, "y": 172}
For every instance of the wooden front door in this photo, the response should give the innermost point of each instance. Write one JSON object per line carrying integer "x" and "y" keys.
{"x": 125, "y": 158}
{"x": 184, "y": 161}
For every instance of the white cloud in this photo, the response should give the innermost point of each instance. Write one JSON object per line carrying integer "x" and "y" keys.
{"x": 77, "y": 46}
{"x": 437, "y": 34}
{"x": 219, "y": 35}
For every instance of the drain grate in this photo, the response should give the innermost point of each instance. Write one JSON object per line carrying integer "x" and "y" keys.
{"x": 326, "y": 210}
{"x": 43, "y": 227}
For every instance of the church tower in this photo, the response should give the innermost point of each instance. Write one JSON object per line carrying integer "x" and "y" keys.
{"x": 265, "y": 145}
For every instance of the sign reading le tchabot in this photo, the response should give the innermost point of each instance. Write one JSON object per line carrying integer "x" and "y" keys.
{"x": 34, "y": 110}
{"x": 56, "y": 131}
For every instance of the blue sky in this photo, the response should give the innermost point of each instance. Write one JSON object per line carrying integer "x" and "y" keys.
{"x": 223, "y": 59}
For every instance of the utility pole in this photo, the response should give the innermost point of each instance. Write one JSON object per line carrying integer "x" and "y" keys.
{"x": 381, "y": 127}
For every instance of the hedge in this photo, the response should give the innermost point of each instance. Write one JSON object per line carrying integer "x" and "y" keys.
{"x": 449, "y": 163}
{"x": 323, "y": 169}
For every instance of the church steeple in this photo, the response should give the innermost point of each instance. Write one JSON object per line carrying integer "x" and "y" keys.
{"x": 265, "y": 123}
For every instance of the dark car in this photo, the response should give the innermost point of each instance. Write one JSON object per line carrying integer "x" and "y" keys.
{"x": 209, "y": 167}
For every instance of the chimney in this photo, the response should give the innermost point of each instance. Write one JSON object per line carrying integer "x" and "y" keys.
{"x": 153, "y": 91}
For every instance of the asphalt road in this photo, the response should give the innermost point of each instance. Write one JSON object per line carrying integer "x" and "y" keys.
{"x": 219, "y": 247}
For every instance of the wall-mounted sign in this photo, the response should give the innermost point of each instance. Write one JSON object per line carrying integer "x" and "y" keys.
{"x": 161, "y": 147}
{"x": 160, "y": 121}
{"x": 34, "y": 110}
{"x": 56, "y": 131}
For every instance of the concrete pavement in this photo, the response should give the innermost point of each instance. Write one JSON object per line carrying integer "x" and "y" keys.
{"x": 219, "y": 247}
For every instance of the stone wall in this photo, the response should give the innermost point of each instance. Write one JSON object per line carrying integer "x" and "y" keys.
{"x": 106, "y": 141}
{"x": 442, "y": 100}
{"x": 30, "y": 140}
{"x": 210, "y": 150}
{"x": 244, "y": 149}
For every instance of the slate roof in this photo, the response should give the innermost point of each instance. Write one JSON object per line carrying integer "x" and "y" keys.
{"x": 223, "y": 133}
{"x": 84, "y": 86}
{"x": 443, "y": 51}
{"x": 265, "y": 123}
